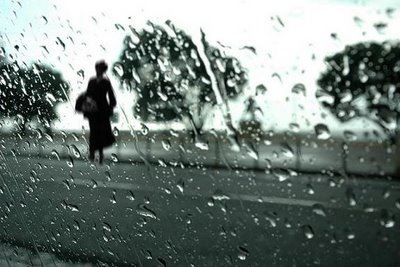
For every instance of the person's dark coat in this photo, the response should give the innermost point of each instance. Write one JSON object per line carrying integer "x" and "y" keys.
{"x": 101, "y": 135}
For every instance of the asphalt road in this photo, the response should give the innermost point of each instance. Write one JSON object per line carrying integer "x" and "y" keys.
{"x": 144, "y": 215}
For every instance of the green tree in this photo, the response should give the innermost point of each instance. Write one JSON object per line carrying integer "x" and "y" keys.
{"x": 31, "y": 93}
{"x": 7, "y": 89}
{"x": 162, "y": 65}
{"x": 363, "y": 81}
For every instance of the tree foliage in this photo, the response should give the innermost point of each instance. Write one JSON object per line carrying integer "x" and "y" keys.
{"x": 31, "y": 92}
{"x": 162, "y": 65}
{"x": 363, "y": 81}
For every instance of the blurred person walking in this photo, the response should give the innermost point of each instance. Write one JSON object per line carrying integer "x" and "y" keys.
{"x": 95, "y": 106}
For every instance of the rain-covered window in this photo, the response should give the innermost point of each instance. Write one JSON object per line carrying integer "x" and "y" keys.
{"x": 199, "y": 133}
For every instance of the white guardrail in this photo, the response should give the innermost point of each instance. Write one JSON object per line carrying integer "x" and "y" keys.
{"x": 292, "y": 152}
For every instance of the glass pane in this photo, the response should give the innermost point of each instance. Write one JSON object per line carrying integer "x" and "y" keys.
{"x": 199, "y": 134}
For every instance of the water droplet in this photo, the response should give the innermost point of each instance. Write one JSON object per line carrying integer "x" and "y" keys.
{"x": 251, "y": 151}
{"x": 282, "y": 175}
{"x": 380, "y": 27}
{"x": 319, "y": 210}
{"x": 130, "y": 196}
{"x": 260, "y": 89}
{"x": 397, "y": 203}
{"x": 294, "y": 127}
{"x": 181, "y": 185}
{"x": 94, "y": 183}
{"x": 119, "y": 27}
{"x": 144, "y": 129}
{"x": 324, "y": 97}
{"x": 219, "y": 195}
{"x": 201, "y": 145}
{"x": 71, "y": 207}
{"x": 299, "y": 89}
{"x": 276, "y": 77}
{"x": 287, "y": 151}
{"x": 76, "y": 225}
{"x": 234, "y": 143}
{"x": 358, "y": 21}
{"x": 368, "y": 208}
{"x": 67, "y": 184}
{"x": 115, "y": 131}
{"x": 75, "y": 151}
{"x": 162, "y": 163}
{"x": 351, "y": 198}
{"x": 60, "y": 42}
{"x": 114, "y": 157}
{"x": 307, "y": 231}
{"x": 44, "y": 19}
{"x": 146, "y": 212}
{"x": 55, "y": 154}
{"x": 309, "y": 189}
{"x": 119, "y": 69}
{"x": 166, "y": 144}
{"x": 350, "y": 136}
{"x": 243, "y": 253}
{"x": 162, "y": 262}
{"x": 70, "y": 162}
{"x": 81, "y": 75}
{"x": 350, "y": 235}
{"x": 322, "y": 131}
{"x": 270, "y": 219}
{"x": 387, "y": 219}
{"x": 386, "y": 193}
{"x": 113, "y": 198}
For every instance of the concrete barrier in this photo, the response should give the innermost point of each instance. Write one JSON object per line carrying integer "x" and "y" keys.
{"x": 303, "y": 153}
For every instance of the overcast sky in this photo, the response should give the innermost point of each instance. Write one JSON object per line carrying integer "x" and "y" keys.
{"x": 294, "y": 49}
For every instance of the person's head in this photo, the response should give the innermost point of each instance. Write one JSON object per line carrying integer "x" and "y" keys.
{"x": 101, "y": 67}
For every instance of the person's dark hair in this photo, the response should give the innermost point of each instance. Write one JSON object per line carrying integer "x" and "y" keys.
{"x": 101, "y": 66}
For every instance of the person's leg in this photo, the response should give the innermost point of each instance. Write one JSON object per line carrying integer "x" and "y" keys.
{"x": 91, "y": 146}
{"x": 101, "y": 156}
{"x": 91, "y": 153}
